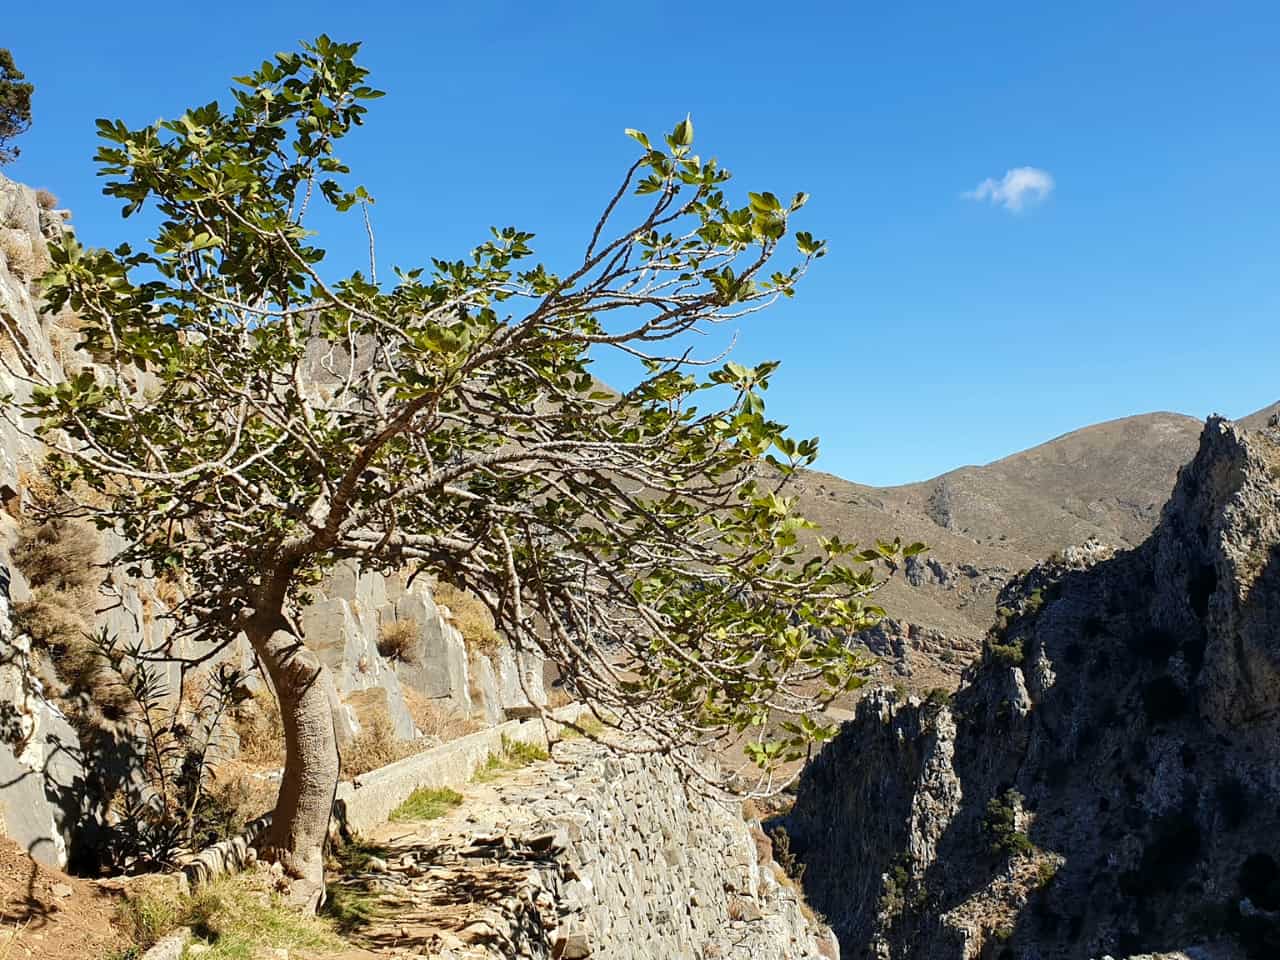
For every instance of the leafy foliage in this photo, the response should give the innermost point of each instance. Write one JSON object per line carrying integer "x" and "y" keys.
{"x": 15, "y": 105}
{"x": 1001, "y": 825}
{"x": 169, "y": 812}
{"x": 643, "y": 539}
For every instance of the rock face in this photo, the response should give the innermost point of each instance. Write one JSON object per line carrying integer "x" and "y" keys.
{"x": 1107, "y": 778}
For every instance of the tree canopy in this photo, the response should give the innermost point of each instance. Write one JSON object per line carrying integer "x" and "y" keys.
{"x": 15, "y": 105}
{"x": 256, "y": 413}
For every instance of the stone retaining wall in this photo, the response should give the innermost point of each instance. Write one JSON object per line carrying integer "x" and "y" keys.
{"x": 367, "y": 801}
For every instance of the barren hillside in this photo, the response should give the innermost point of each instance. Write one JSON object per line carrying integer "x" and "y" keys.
{"x": 985, "y": 523}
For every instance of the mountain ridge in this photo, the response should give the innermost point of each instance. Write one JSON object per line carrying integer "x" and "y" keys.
{"x": 1105, "y": 482}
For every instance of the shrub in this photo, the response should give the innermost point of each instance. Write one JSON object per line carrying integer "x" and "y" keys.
{"x": 1008, "y": 654}
{"x": 397, "y": 640}
{"x": 938, "y": 697}
{"x": 470, "y": 616}
{"x": 894, "y": 897}
{"x": 1046, "y": 870}
{"x": 1035, "y": 601}
{"x": 1001, "y": 825}
{"x": 426, "y": 803}
{"x": 436, "y": 721}
{"x": 785, "y": 856}
{"x": 46, "y": 199}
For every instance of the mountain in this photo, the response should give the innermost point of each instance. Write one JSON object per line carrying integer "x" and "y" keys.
{"x": 1104, "y": 780}
{"x": 983, "y": 524}
{"x": 1255, "y": 421}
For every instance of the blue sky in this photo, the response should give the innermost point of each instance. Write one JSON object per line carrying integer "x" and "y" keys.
{"x": 942, "y": 329}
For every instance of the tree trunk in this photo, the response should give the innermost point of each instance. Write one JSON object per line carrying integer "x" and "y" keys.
{"x": 300, "y": 823}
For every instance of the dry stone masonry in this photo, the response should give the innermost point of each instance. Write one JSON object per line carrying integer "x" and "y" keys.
{"x": 597, "y": 855}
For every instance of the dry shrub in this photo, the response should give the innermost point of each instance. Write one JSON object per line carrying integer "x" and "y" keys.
{"x": 234, "y": 797}
{"x": 375, "y": 747}
{"x": 17, "y": 253}
{"x": 59, "y": 559}
{"x": 469, "y": 614}
{"x": 58, "y": 553}
{"x": 397, "y": 640}
{"x": 25, "y": 258}
{"x": 257, "y": 721}
{"x": 433, "y": 720}
{"x": 46, "y": 199}
{"x": 377, "y": 744}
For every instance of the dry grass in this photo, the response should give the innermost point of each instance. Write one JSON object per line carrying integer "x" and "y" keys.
{"x": 433, "y": 720}
{"x": 468, "y": 613}
{"x": 46, "y": 199}
{"x": 236, "y": 918}
{"x": 257, "y": 721}
{"x": 377, "y": 745}
{"x": 398, "y": 639}
{"x": 24, "y": 258}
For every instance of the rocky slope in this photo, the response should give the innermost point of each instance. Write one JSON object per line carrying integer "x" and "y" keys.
{"x": 1105, "y": 780}
{"x": 984, "y": 524}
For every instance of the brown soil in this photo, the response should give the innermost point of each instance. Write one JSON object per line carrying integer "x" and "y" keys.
{"x": 38, "y": 918}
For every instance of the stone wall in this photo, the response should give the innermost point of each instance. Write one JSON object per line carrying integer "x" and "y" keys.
{"x": 661, "y": 870}
{"x": 594, "y": 854}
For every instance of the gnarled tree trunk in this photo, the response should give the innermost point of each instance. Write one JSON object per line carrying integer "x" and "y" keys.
{"x": 300, "y": 824}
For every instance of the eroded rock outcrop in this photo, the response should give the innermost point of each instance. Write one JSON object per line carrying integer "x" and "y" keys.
{"x": 1107, "y": 778}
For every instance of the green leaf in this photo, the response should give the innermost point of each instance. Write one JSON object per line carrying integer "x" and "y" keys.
{"x": 683, "y": 133}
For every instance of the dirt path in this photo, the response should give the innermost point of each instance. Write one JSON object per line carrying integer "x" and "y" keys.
{"x": 445, "y": 887}
{"x": 46, "y": 914}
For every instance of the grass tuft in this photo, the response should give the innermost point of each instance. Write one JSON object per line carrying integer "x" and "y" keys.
{"x": 426, "y": 803}
{"x": 238, "y": 918}
{"x": 515, "y": 754}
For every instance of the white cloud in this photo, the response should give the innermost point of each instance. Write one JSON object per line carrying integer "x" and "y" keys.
{"x": 1016, "y": 189}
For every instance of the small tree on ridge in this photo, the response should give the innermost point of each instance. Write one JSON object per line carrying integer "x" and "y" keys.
{"x": 15, "y": 105}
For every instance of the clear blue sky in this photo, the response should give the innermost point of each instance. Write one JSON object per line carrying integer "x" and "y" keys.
{"x": 942, "y": 329}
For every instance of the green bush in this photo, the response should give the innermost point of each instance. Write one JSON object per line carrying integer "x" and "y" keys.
{"x": 1009, "y": 654}
{"x": 1001, "y": 825}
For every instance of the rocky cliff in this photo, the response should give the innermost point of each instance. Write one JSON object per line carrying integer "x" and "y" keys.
{"x": 1106, "y": 779}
